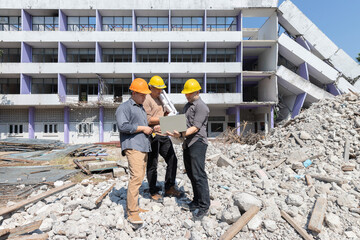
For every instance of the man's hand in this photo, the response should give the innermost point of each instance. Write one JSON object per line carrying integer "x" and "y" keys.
{"x": 174, "y": 134}
{"x": 147, "y": 130}
{"x": 157, "y": 128}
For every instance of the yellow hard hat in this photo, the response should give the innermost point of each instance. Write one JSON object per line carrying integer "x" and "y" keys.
{"x": 139, "y": 85}
{"x": 157, "y": 82}
{"x": 190, "y": 86}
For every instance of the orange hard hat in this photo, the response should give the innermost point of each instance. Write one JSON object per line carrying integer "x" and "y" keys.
{"x": 140, "y": 85}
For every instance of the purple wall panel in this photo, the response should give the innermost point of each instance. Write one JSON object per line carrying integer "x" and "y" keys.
{"x": 238, "y": 120}
{"x": 25, "y": 84}
{"x": 66, "y": 124}
{"x": 26, "y": 21}
{"x": 272, "y": 117}
{"x": 98, "y": 52}
{"x": 101, "y": 124}
{"x": 31, "y": 122}
{"x": 62, "y": 21}
{"x": 332, "y": 89}
{"x": 302, "y": 42}
{"x": 133, "y": 21}
{"x": 239, "y": 22}
{"x": 98, "y": 21}
{"x": 205, "y": 83}
{"x": 299, "y": 102}
{"x": 169, "y": 83}
{"x": 303, "y": 71}
{"x": 26, "y": 53}
{"x": 62, "y": 87}
{"x": 133, "y": 52}
{"x": 61, "y": 53}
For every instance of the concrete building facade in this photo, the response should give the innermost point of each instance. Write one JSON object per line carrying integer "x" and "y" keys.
{"x": 65, "y": 67}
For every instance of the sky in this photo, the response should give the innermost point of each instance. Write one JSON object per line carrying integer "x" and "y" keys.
{"x": 339, "y": 20}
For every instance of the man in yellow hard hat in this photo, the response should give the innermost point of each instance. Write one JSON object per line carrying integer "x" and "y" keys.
{"x": 195, "y": 146}
{"x": 160, "y": 143}
{"x": 135, "y": 145}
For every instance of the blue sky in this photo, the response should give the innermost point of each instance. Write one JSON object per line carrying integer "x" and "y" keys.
{"x": 339, "y": 20}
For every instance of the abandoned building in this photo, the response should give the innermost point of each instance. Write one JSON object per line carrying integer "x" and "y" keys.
{"x": 65, "y": 67}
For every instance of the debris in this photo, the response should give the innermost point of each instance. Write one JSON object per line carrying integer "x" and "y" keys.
{"x": 308, "y": 180}
{"x": 348, "y": 167}
{"x": 298, "y": 140}
{"x": 20, "y": 230}
{"x": 328, "y": 179}
{"x": 104, "y": 194}
{"x": 118, "y": 172}
{"x": 77, "y": 163}
{"x": 346, "y": 150}
{"x": 39, "y": 197}
{"x": 318, "y": 215}
{"x": 295, "y": 225}
{"x": 240, "y": 223}
{"x": 99, "y": 166}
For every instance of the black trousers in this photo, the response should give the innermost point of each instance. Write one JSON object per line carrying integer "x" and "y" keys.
{"x": 194, "y": 160}
{"x": 161, "y": 145}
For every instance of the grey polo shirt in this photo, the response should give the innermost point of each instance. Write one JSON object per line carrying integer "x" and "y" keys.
{"x": 197, "y": 114}
{"x": 129, "y": 115}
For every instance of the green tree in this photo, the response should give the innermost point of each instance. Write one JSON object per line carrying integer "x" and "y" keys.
{"x": 358, "y": 58}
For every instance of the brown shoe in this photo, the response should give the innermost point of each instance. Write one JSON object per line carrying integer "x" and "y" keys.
{"x": 142, "y": 210}
{"x": 156, "y": 197}
{"x": 172, "y": 192}
{"x": 135, "y": 219}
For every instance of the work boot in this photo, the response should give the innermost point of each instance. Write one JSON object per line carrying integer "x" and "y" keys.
{"x": 172, "y": 192}
{"x": 198, "y": 216}
{"x": 143, "y": 210}
{"x": 135, "y": 219}
{"x": 156, "y": 197}
{"x": 192, "y": 206}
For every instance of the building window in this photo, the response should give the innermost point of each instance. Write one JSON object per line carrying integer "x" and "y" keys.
{"x": 221, "y": 24}
{"x": 81, "y": 23}
{"x": 85, "y": 128}
{"x": 9, "y": 86}
{"x": 44, "y": 55}
{"x": 15, "y": 129}
{"x": 45, "y": 23}
{"x": 187, "y": 55}
{"x": 10, "y": 55}
{"x": 177, "y": 84}
{"x": 121, "y": 24}
{"x": 152, "y": 55}
{"x": 117, "y": 87}
{"x": 44, "y": 85}
{"x": 116, "y": 55}
{"x": 80, "y": 55}
{"x": 82, "y": 88}
{"x": 186, "y": 24}
{"x": 216, "y": 127}
{"x": 221, "y": 85}
{"x": 152, "y": 23}
{"x": 10, "y": 23}
{"x": 50, "y": 128}
{"x": 221, "y": 55}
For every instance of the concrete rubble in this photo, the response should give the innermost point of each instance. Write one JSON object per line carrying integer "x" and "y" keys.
{"x": 266, "y": 174}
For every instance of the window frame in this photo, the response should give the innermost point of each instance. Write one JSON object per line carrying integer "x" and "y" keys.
{"x": 44, "y": 26}
{"x": 78, "y": 26}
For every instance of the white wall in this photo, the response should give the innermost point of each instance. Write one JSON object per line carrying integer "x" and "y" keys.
{"x": 289, "y": 102}
{"x": 268, "y": 59}
{"x": 269, "y": 30}
{"x": 75, "y": 138}
{"x": 267, "y": 90}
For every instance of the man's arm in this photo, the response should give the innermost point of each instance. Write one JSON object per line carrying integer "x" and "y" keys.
{"x": 124, "y": 125}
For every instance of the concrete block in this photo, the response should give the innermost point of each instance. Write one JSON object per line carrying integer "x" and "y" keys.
{"x": 224, "y": 162}
{"x": 118, "y": 172}
{"x": 101, "y": 165}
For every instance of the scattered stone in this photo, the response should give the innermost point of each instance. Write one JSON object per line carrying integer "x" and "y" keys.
{"x": 333, "y": 222}
{"x": 295, "y": 200}
{"x": 231, "y": 215}
{"x": 270, "y": 225}
{"x": 244, "y": 201}
{"x": 224, "y": 162}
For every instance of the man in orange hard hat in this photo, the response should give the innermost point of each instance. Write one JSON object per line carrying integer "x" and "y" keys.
{"x": 135, "y": 144}
{"x": 194, "y": 148}
{"x": 160, "y": 144}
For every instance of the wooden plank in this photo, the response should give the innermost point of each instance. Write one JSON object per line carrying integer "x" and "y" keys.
{"x": 43, "y": 236}
{"x": 318, "y": 215}
{"x": 5, "y": 210}
{"x": 240, "y": 223}
{"x": 17, "y": 160}
{"x": 298, "y": 140}
{"x": 22, "y": 229}
{"x": 295, "y": 225}
{"x": 348, "y": 167}
{"x": 104, "y": 194}
{"x": 346, "y": 150}
{"x": 275, "y": 165}
{"x": 77, "y": 163}
{"x": 328, "y": 179}
{"x": 308, "y": 180}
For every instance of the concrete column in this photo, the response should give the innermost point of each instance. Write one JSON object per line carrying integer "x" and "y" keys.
{"x": 26, "y": 21}
{"x": 101, "y": 124}
{"x": 303, "y": 71}
{"x": 66, "y": 124}
{"x": 25, "y": 84}
{"x": 98, "y": 52}
{"x": 133, "y": 21}
{"x": 62, "y": 21}
{"x": 238, "y": 53}
{"x": 62, "y": 87}
{"x": 31, "y": 122}
{"x": 61, "y": 53}
{"x": 239, "y": 83}
{"x": 205, "y": 52}
{"x": 239, "y": 22}
{"x": 98, "y": 21}
{"x": 238, "y": 130}
{"x": 132, "y": 76}
{"x": 169, "y": 83}
{"x": 300, "y": 99}
{"x": 272, "y": 117}
{"x": 169, "y": 20}
{"x": 300, "y": 40}
{"x": 205, "y": 21}
{"x": 26, "y": 53}
{"x": 205, "y": 82}
{"x": 133, "y": 52}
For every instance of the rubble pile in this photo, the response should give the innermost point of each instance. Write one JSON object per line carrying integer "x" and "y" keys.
{"x": 315, "y": 156}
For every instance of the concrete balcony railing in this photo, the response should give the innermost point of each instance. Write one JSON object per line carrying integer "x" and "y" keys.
{"x": 30, "y": 99}
{"x": 213, "y": 99}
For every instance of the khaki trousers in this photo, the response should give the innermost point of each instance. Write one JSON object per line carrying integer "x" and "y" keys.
{"x": 137, "y": 167}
